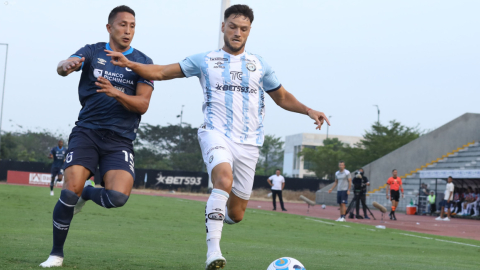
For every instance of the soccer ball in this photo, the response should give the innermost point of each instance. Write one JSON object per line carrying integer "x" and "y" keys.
{"x": 324, "y": 206}
{"x": 286, "y": 263}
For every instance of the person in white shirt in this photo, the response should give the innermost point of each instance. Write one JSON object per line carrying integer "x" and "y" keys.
{"x": 447, "y": 202}
{"x": 277, "y": 182}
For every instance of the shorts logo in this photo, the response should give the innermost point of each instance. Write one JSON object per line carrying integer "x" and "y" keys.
{"x": 97, "y": 73}
{"x": 69, "y": 157}
{"x": 216, "y": 216}
{"x": 101, "y": 61}
{"x": 211, "y": 159}
{"x": 251, "y": 67}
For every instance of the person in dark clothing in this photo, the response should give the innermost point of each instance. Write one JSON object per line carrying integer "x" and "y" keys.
{"x": 360, "y": 183}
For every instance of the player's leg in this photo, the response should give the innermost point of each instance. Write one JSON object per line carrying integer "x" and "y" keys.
{"x": 274, "y": 196}
{"x": 356, "y": 198}
{"x": 363, "y": 199}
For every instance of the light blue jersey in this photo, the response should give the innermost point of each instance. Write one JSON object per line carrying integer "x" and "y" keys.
{"x": 234, "y": 89}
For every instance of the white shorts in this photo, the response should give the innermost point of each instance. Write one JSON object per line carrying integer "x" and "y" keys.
{"x": 216, "y": 149}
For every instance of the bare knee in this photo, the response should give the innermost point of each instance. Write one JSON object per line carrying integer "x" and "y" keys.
{"x": 236, "y": 217}
{"x": 222, "y": 177}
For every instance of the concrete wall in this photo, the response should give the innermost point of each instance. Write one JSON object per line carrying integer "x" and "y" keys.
{"x": 428, "y": 147}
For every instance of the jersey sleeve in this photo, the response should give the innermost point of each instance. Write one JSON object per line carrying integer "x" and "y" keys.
{"x": 389, "y": 181}
{"x": 52, "y": 151}
{"x": 147, "y": 61}
{"x": 270, "y": 81}
{"x": 87, "y": 51}
{"x": 192, "y": 65}
{"x": 283, "y": 179}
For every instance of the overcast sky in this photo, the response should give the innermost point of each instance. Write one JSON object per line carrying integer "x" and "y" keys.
{"x": 417, "y": 60}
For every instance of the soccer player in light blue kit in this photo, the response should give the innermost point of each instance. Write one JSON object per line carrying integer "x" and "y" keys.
{"x": 234, "y": 84}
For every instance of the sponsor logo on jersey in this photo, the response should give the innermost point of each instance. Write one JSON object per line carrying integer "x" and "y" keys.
{"x": 218, "y": 59}
{"x": 216, "y": 216}
{"x": 213, "y": 148}
{"x": 236, "y": 88}
{"x": 97, "y": 73}
{"x": 69, "y": 157}
{"x": 116, "y": 77}
{"x": 236, "y": 75}
{"x": 101, "y": 61}
{"x": 251, "y": 67}
{"x": 211, "y": 159}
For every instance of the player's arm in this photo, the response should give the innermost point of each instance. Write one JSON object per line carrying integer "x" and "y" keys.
{"x": 288, "y": 102}
{"x": 334, "y": 185}
{"x": 147, "y": 71}
{"x": 388, "y": 189}
{"x": 349, "y": 184}
{"x": 138, "y": 103}
{"x": 65, "y": 67}
{"x": 283, "y": 184}
{"x": 50, "y": 156}
{"x": 401, "y": 188}
{"x": 270, "y": 182}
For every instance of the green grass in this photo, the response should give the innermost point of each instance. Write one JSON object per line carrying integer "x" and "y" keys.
{"x": 169, "y": 233}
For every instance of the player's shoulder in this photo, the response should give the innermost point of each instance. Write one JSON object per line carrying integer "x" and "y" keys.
{"x": 347, "y": 171}
{"x": 337, "y": 173}
{"x": 97, "y": 46}
{"x": 141, "y": 57}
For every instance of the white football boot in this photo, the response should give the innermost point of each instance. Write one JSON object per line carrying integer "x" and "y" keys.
{"x": 439, "y": 218}
{"x": 52, "y": 261}
{"x": 215, "y": 261}
{"x": 81, "y": 202}
{"x": 51, "y": 193}
{"x": 446, "y": 219}
{"x": 340, "y": 219}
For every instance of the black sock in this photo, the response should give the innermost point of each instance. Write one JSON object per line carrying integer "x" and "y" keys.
{"x": 62, "y": 216}
{"x": 51, "y": 183}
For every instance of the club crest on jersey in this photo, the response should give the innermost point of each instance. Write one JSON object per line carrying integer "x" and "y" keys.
{"x": 97, "y": 72}
{"x": 251, "y": 67}
{"x": 101, "y": 61}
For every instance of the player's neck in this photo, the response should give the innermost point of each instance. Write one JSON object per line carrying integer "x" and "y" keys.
{"x": 117, "y": 48}
{"x": 227, "y": 50}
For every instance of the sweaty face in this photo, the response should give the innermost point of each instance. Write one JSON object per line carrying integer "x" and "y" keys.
{"x": 236, "y": 29}
{"x": 122, "y": 29}
{"x": 341, "y": 166}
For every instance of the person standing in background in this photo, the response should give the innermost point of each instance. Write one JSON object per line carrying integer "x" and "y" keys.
{"x": 431, "y": 203}
{"x": 394, "y": 185}
{"x": 344, "y": 181}
{"x": 447, "y": 201}
{"x": 58, "y": 156}
{"x": 277, "y": 182}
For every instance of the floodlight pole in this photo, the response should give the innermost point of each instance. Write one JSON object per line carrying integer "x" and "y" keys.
{"x": 329, "y": 117}
{"x": 224, "y": 6}
{"x": 3, "y": 93}
{"x": 378, "y": 112}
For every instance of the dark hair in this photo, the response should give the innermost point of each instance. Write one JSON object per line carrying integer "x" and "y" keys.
{"x": 394, "y": 170}
{"x": 277, "y": 169}
{"x": 450, "y": 177}
{"x": 237, "y": 10}
{"x": 341, "y": 161}
{"x": 117, "y": 10}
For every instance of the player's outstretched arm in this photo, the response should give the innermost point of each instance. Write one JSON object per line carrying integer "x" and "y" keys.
{"x": 138, "y": 103}
{"x": 149, "y": 72}
{"x": 288, "y": 102}
{"x": 70, "y": 65}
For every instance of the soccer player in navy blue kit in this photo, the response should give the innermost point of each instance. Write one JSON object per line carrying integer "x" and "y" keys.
{"x": 58, "y": 156}
{"x": 113, "y": 100}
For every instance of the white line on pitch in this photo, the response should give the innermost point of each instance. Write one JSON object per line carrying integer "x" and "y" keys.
{"x": 441, "y": 240}
{"x": 321, "y": 221}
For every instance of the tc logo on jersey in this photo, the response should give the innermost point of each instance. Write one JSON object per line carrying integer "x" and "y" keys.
{"x": 97, "y": 73}
{"x": 236, "y": 75}
{"x": 101, "y": 61}
{"x": 251, "y": 66}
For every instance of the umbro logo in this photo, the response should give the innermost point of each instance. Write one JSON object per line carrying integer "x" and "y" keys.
{"x": 101, "y": 61}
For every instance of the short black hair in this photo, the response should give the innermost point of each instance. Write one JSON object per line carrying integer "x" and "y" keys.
{"x": 117, "y": 10}
{"x": 450, "y": 177}
{"x": 341, "y": 161}
{"x": 237, "y": 10}
{"x": 278, "y": 169}
{"x": 394, "y": 170}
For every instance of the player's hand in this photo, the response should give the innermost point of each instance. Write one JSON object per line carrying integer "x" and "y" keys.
{"x": 348, "y": 192}
{"x": 387, "y": 197}
{"x": 118, "y": 59}
{"x": 329, "y": 191}
{"x": 403, "y": 196}
{"x": 106, "y": 87}
{"x": 71, "y": 66}
{"x": 319, "y": 118}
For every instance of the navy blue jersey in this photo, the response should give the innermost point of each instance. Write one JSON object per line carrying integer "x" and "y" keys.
{"x": 100, "y": 111}
{"x": 58, "y": 156}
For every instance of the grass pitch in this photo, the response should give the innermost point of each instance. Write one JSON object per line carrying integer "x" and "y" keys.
{"x": 169, "y": 233}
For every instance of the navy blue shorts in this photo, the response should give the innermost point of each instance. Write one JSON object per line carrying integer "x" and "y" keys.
{"x": 342, "y": 197}
{"x": 446, "y": 204}
{"x": 103, "y": 148}
{"x": 56, "y": 171}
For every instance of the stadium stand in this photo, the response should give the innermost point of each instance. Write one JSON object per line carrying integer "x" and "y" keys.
{"x": 451, "y": 148}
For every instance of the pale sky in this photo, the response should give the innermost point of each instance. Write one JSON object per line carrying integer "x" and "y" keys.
{"x": 417, "y": 60}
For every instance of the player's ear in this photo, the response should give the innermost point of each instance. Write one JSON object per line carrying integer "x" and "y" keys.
{"x": 223, "y": 27}
{"x": 108, "y": 28}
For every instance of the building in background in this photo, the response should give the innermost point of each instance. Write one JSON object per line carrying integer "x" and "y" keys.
{"x": 293, "y": 165}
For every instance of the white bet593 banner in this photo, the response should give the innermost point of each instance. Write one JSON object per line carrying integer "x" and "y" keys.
{"x": 30, "y": 178}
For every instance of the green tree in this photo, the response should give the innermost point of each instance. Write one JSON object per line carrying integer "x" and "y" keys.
{"x": 169, "y": 147}
{"x": 28, "y": 145}
{"x": 378, "y": 141}
{"x": 271, "y": 155}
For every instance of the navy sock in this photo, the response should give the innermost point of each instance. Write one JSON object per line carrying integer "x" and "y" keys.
{"x": 103, "y": 197}
{"x": 51, "y": 183}
{"x": 62, "y": 216}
